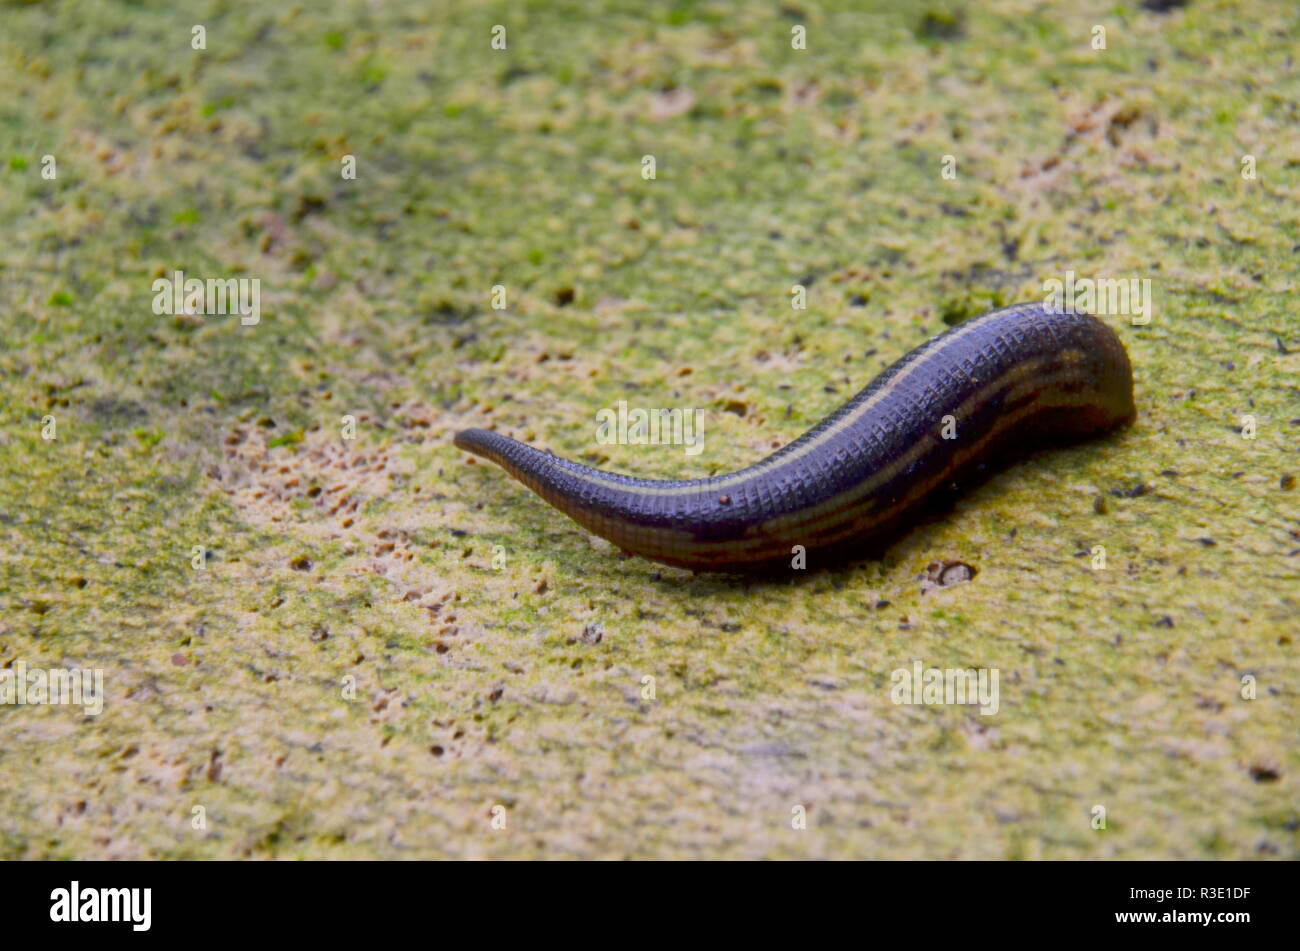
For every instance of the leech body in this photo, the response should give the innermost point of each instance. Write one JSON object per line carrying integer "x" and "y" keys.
{"x": 1008, "y": 379}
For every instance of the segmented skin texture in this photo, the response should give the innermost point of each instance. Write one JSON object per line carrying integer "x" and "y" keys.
{"x": 962, "y": 404}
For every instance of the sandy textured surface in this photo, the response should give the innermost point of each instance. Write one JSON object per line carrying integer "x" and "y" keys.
{"x": 351, "y": 675}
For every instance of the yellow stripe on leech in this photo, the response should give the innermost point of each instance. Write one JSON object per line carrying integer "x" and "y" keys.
{"x": 813, "y": 534}
{"x": 805, "y": 522}
{"x": 813, "y": 445}
{"x": 1028, "y": 371}
{"x": 881, "y": 476}
{"x": 809, "y": 523}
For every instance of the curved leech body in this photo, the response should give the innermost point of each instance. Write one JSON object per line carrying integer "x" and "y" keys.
{"x": 996, "y": 384}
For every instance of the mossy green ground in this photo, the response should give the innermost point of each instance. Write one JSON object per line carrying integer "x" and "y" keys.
{"x": 369, "y": 562}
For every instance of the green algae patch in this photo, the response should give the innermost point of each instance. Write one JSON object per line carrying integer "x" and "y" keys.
{"x": 325, "y": 632}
